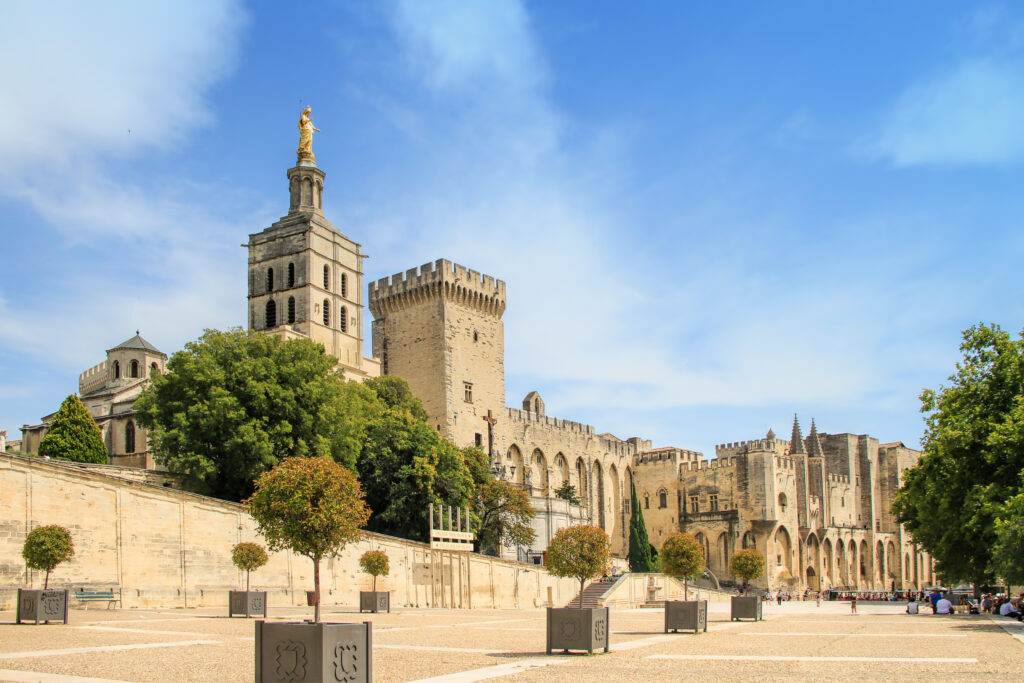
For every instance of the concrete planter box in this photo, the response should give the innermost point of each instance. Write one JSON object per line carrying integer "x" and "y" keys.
{"x": 42, "y": 605}
{"x": 746, "y": 607}
{"x": 374, "y": 601}
{"x": 303, "y": 652}
{"x": 578, "y": 629}
{"x": 686, "y": 615}
{"x": 247, "y": 603}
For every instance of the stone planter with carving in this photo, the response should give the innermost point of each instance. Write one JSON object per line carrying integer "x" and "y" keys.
{"x": 374, "y": 601}
{"x": 570, "y": 628}
{"x": 300, "y": 652}
{"x": 247, "y": 603}
{"x": 686, "y": 615}
{"x": 42, "y": 605}
{"x": 746, "y": 607}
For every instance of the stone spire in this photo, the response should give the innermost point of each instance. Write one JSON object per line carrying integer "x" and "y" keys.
{"x": 814, "y": 449}
{"x": 796, "y": 442}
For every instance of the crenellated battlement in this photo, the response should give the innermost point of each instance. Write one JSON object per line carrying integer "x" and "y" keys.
{"x": 440, "y": 279}
{"x": 677, "y": 455}
{"x": 740, "y": 447}
{"x": 517, "y": 415}
{"x": 785, "y": 462}
{"x": 93, "y": 378}
{"x": 839, "y": 478}
{"x": 712, "y": 464}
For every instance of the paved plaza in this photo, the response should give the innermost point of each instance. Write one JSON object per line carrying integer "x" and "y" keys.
{"x": 795, "y": 641}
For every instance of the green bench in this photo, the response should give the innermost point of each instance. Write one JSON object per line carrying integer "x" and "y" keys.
{"x": 110, "y": 597}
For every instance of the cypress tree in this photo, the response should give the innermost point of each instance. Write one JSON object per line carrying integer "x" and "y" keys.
{"x": 639, "y": 546}
{"x": 74, "y": 435}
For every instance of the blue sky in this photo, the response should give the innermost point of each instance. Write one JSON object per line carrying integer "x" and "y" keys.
{"x": 709, "y": 215}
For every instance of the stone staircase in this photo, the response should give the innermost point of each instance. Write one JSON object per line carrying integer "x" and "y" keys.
{"x": 592, "y": 594}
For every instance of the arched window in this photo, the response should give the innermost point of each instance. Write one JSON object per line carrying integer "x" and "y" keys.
{"x": 291, "y": 275}
{"x": 343, "y": 319}
{"x": 271, "y": 314}
{"x": 270, "y": 279}
{"x": 117, "y": 370}
{"x": 153, "y": 369}
{"x": 129, "y": 437}
{"x": 291, "y": 309}
{"x": 327, "y": 311}
{"x": 327, "y": 278}
{"x": 344, "y": 285}
{"x": 663, "y": 499}
{"x": 782, "y": 503}
{"x": 748, "y": 541}
{"x": 647, "y": 502}
{"x": 133, "y": 369}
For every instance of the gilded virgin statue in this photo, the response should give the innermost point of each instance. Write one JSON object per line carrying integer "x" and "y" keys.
{"x": 306, "y": 129}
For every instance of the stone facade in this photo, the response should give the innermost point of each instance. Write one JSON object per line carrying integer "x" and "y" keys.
{"x": 109, "y": 390}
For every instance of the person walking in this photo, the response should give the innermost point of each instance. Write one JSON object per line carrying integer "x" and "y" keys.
{"x": 853, "y": 604}
{"x": 817, "y": 599}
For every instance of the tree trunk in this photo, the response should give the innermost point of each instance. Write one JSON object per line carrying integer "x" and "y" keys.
{"x": 582, "y": 581}
{"x": 246, "y": 580}
{"x": 745, "y": 586}
{"x": 374, "y": 583}
{"x": 46, "y": 583}
{"x": 316, "y": 590}
{"x": 686, "y": 589}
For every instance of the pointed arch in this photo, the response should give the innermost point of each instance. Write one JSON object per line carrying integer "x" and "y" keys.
{"x": 270, "y": 315}
{"x": 133, "y": 368}
{"x": 540, "y": 462}
{"x": 129, "y": 437}
{"x": 597, "y": 499}
{"x": 514, "y": 459}
{"x": 291, "y": 309}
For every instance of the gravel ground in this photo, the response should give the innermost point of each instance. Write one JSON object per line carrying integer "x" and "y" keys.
{"x": 204, "y": 645}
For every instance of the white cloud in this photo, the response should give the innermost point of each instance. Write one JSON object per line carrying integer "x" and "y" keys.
{"x": 973, "y": 114}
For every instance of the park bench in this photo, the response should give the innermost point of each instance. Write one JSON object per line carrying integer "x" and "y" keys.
{"x": 110, "y": 597}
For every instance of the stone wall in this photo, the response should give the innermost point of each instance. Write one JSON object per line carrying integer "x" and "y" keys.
{"x": 167, "y": 548}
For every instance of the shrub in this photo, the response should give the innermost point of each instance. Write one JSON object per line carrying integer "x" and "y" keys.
{"x": 375, "y": 563}
{"x": 580, "y": 552}
{"x": 46, "y": 547}
{"x": 248, "y": 557}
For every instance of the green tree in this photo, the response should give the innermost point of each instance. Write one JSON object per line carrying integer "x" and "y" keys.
{"x": 505, "y": 514}
{"x": 375, "y": 563}
{"x": 972, "y": 457}
{"x": 405, "y": 466}
{"x": 394, "y": 392}
{"x": 46, "y": 547}
{"x": 580, "y": 552}
{"x": 640, "y": 559}
{"x": 311, "y": 506}
{"x": 74, "y": 435}
{"x": 233, "y": 404}
{"x": 747, "y": 565}
{"x": 248, "y": 557}
{"x": 682, "y": 558}
{"x": 567, "y": 492}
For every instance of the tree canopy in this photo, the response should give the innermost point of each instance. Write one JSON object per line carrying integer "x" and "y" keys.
{"x": 682, "y": 557}
{"x": 46, "y": 547}
{"x": 958, "y": 502}
{"x": 567, "y": 492}
{"x": 248, "y": 557}
{"x": 505, "y": 514}
{"x": 233, "y": 404}
{"x": 375, "y": 563}
{"x": 394, "y": 393}
{"x": 312, "y": 506}
{"x": 580, "y": 552}
{"x": 640, "y": 559}
{"x": 74, "y": 435}
{"x": 747, "y": 565}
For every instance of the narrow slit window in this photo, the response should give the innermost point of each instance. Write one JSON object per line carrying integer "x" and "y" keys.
{"x": 271, "y": 314}
{"x": 327, "y": 278}
{"x": 291, "y": 309}
{"x": 344, "y": 285}
{"x": 129, "y": 437}
{"x": 343, "y": 318}
{"x": 327, "y": 312}
{"x": 133, "y": 369}
{"x": 291, "y": 275}
{"x": 270, "y": 279}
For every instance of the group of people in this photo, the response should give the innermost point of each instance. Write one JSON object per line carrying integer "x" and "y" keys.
{"x": 1004, "y": 605}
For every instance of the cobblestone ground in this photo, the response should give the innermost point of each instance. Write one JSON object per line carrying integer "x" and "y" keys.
{"x": 795, "y": 641}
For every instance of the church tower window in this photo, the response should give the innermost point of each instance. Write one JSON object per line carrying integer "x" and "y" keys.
{"x": 133, "y": 369}
{"x": 343, "y": 317}
{"x": 291, "y": 275}
{"x": 153, "y": 369}
{"x": 327, "y": 311}
{"x": 291, "y": 309}
{"x": 327, "y": 278}
{"x": 129, "y": 437}
{"x": 270, "y": 279}
{"x": 344, "y": 285}
{"x": 271, "y": 314}
{"x": 117, "y": 370}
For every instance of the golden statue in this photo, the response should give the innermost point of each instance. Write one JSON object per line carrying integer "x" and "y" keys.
{"x": 306, "y": 129}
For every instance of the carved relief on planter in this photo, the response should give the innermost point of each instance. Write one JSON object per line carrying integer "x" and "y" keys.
{"x": 304, "y": 652}
{"x": 577, "y": 629}
{"x": 42, "y": 605}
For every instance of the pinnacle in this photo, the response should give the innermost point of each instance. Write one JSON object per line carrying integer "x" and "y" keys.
{"x": 796, "y": 442}
{"x": 814, "y": 447}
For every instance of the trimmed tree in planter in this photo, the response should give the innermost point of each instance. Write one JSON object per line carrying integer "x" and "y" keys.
{"x": 248, "y": 557}
{"x": 747, "y": 565}
{"x": 683, "y": 558}
{"x": 375, "y": 563}
{"x": 45, "y": 547}
{"x": 314, "y": 507}
{"x": 580, "y": 552}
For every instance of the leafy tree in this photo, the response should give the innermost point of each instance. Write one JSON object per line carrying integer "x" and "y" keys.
{"x": 312, "y": 506}
{"x": 375, "y": 563}
{"x": 74, "y": 435}
{"x": 973, "y": 455}
{"x": 682, "y": 558}
{"x": 505, "y": 514}
{"x": 747, "y": 565}
{"x": 640, "y": 559}
{"x": 567, "y": 492}
{"x": 1010, "y": 541}
{"x": 404, "y": 467}
{"x": 248, "y": 557}
{"x": 394, "y": 393}
{"x": 233, "y": 404}
{"x": 46, "y": 547}
{"x": 580, "y": 552}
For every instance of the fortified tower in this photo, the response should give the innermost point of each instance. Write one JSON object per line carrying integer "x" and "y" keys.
{"x": 306, "y": 278}
{"x": 440, "y": 328}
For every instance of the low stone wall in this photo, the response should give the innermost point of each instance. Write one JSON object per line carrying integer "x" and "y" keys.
{"x": 652, "y": 590}
{"x": 168, "y": 548}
